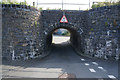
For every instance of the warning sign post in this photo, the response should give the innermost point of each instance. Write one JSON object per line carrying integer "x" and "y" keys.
{"x": 64, "y": 20}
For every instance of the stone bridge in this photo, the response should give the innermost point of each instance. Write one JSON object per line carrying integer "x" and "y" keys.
{"x": 27, "y": 32}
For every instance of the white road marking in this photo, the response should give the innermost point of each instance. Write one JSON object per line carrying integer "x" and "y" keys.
{"x": 95, "y": 63}
{"x": 92, "y": 70}
{"x": 82, "y": 59}
{"x": 101, "y": 68}
{"x": 86, "y": 64}
{"x": 111, "y": 76}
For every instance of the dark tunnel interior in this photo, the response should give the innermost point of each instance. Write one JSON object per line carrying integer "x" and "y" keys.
{"x": 75, "y": 39}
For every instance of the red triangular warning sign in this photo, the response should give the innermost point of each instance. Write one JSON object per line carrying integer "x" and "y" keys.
{"x": 63, "y": 20}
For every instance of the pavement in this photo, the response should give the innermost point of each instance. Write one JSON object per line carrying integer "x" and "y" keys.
{"x": 63, "y": 60}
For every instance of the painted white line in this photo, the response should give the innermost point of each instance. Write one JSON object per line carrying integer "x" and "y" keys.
{"x": 92, "y": 70}
{"x": 82, "y": 59}
{"x": 86, "y": 64}
{"x": 111, "y": 76}
{"x": 95, "y": 63}
{"x": 101, "y": 68}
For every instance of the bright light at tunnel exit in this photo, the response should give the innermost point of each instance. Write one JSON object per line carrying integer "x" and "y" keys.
{"x": 60, "y": 36}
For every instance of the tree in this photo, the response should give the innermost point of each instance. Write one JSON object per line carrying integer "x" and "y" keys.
{"x": 106, "y": 3}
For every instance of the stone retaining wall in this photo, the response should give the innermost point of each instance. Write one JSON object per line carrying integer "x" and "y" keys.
{"x": 19, "y": 25}
{"x": 27, "y": 32}
{"x": 102, "y": 39}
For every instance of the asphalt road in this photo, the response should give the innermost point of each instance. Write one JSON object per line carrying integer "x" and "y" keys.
{"x": 60, "y": 39}
{"x": 62, "y": 60}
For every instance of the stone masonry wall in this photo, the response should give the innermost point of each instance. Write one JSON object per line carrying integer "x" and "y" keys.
{"x": 50, "y": 20}
{"x": 104, "y": 32}
{"x": 26, "y": 32}
{"x": 19, "y": 31}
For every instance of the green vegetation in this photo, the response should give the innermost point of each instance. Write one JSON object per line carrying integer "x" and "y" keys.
{"x": 91, "y": 29}
{"x": 35, "y": 23}
{"x": 106, "y": 3}
{"x": 49, "y": 9}
{"x": 18, "y": 3}
{"x": 13, "y": 2}
{"x": 66, "y": 33}
{"x": 54, "y": 9}
{"x": 40, "y": 9}
{"x": 106, "y": 23}
{"x": 23, "y": 3}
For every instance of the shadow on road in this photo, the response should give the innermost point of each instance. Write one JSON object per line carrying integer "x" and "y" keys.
{"x": 61, "y": 53}
{"x": 63, "y": 59}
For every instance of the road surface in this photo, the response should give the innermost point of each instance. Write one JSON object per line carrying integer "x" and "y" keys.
{"x": 62, "y": 60}
{"x": 60, "y": 39}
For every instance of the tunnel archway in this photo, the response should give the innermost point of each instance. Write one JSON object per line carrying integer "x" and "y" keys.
{"x": 75, "y": 37}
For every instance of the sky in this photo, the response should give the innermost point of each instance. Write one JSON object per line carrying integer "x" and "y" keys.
{"x": 65, "y": 6}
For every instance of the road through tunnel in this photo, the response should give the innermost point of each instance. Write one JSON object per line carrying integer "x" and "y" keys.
{"x": 75, "y": 36}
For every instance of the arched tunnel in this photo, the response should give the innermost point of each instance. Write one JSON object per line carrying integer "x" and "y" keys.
{"x": 75, "y": 37}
